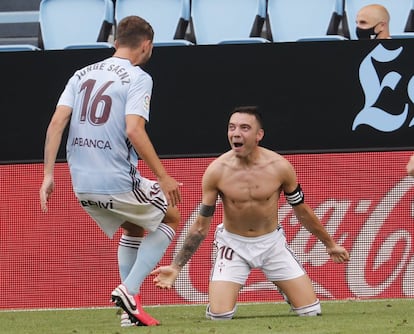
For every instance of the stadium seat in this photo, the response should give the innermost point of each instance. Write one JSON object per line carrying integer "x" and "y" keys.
{"x": 18, "y": 47}
{"x": 340, "y": 7}
{"x": 169, "y": 18}
{"x": 227, "y": 21}
{"x": 19, "y": 16}
{"x": 403, "y": 35}
{"x": 291, "y": 20}
{"x": 74, "y": 22}
{"x": 19, "y": 21}
{"x": 322, "y": 38}
{"x": 96, "y": 45}
{"x": 401, "y": 13}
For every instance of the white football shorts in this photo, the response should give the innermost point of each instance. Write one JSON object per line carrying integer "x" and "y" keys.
{"x": 236, "y": 256}
{"x": 145, "y": 206}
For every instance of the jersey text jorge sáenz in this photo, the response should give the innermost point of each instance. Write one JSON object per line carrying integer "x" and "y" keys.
{"x": 119, "y": 70}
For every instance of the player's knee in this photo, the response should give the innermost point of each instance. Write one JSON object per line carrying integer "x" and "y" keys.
{"x": 309, "y": 310}
{"x": 220, "y": 316}
{"x": 172, "y": 218}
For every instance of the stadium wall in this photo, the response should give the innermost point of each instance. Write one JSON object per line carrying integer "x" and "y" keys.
{"x": 341, "y": 112}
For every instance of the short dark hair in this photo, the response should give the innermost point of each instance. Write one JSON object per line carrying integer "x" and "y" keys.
{"x": 251, "y": 110}
{"x": 132, "y": 30}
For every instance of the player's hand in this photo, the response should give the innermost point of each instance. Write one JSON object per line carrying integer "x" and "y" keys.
{"x": 171, "y": 189}
{"x": 410, "y": 166}
{"x": 46, "y": 191}
{"x": 338, "y": 254}
{"x": 166, "y": 276}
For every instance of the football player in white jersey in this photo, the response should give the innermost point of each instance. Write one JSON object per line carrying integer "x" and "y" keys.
{"x": 108, "y": 105}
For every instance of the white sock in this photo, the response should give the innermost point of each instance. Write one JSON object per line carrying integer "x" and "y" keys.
{"x": 220, "y": 316}
{"x": 127, "y": 254}
{"x": 150, "y": 253}
{"x": 309, "y": 310}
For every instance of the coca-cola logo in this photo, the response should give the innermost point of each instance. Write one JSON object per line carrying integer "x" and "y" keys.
{"x": 365, "y": 246}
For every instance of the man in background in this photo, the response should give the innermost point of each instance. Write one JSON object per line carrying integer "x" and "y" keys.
{"x": 373, "y": 22}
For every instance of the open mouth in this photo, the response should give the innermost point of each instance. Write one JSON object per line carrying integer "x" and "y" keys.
{"x": 237, "y": 144}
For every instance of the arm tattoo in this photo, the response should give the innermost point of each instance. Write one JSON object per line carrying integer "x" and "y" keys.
{"x": 191, "y": 244}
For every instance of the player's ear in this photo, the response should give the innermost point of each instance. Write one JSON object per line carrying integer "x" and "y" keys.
{"x": 260, "y": 135}
{"x": 146, "y": 45}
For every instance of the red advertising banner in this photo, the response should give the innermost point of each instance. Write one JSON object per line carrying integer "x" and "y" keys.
{"x": 61, "y": 259}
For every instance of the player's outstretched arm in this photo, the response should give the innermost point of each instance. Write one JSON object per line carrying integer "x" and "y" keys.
{"x": 198, "y": 231}
{"x": 307, "y": 217}
{"x": 167, "y": 275}
{"x": 311, "y": 222}
{"x": 135, "y": 129}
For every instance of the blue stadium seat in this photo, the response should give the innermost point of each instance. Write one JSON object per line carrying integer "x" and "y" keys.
{"x": 403, "y": 35}
{"x": 96, "y": 45}
{"x": 74, "y": 22}
{"x": 19, "y": 16}
{"x": 340, "y": 7}
{"x": 18, "y": 47}
{"x": 19, "y": 26}
{"x": 291, "y": 20}
{"x": 227, "y": 21}
{"x": 401, "y": 12}
{"x": 322, "y": 38}
{"x": 169, "y": 18}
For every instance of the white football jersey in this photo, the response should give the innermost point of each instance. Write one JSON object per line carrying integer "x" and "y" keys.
{"x": 100, "y": 156}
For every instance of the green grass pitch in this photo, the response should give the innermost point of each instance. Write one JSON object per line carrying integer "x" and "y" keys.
{"x": 339, "y": 317}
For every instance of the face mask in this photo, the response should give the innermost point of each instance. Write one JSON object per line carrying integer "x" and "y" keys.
{"x": 366, "y": 33}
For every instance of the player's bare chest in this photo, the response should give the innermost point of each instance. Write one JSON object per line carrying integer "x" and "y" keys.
{"x": 249, "y": 185}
